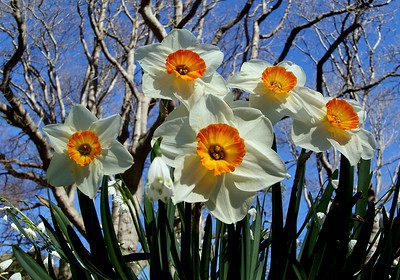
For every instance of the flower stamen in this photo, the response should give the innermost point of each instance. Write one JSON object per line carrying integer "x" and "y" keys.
{"x": 216, "y": 152}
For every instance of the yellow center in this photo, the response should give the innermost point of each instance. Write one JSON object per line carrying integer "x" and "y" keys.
{"x": 83, "y": 147}
{"x": 185, "y": 64}
{"x": 341, "y": 114}
{"x": 220, "y": 148}
{"x": 278, "y": 80}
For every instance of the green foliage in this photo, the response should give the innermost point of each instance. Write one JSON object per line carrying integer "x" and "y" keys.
{"x": 176, "y": 243}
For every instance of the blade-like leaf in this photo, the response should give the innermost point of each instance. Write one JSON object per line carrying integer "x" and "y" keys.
{"x": 114, "y": 253}
{"x": 35, "y": 271}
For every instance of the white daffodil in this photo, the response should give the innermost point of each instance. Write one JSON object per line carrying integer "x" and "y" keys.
{"x": 277, "y": 91}
{"x": 5, "y": 264}
{"x": 181, "y": 68}
{"x": 5, "y": 218}
{"x": 159, "y": 184}
{"x": 337, "y": 123}
{"x": 85, "y": 149}
{"x": 222, "y": 157}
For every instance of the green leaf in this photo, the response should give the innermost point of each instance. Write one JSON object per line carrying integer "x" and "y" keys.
{"x": 135, "y": 217}
{"x": 278, "y": 249}
{"x": 257, "y": 230}
{"x": 35, "y": 271}
{"x": 114, "y": 252}
{"x": 218, "y": 252}
{"x": 195, "y": 240}
{"x": 335, "y": 232}
{"x": 162, "y": 239}
{"x": 174, "y": 253}
{"x": 94, "y": 235}
{"x": 363, "y": 186}
{"x": 206, "y": 249}
{"x": 22, "y": 230}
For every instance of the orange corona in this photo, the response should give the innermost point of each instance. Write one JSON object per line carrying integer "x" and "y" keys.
{"x": 83, "y": 147}
{"x": 341, "y": 114}
{"x": 220, "y": 148}
{"x": 185, "y": 64}
{"x": 278, "y": 80}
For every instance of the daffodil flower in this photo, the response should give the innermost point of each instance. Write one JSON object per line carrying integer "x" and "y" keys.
{"x": 337, "y": 123}
{"x": 181, "y": 68}
{"x": 85, "y": 149}
{"x": 277, "y": 91}
{"x": 221, "y": 156}
{"x": 159, "y": 184}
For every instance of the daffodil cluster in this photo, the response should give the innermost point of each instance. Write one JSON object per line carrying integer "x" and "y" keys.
{"x": 221, "y": 154}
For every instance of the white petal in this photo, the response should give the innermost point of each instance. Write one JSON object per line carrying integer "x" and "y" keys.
{"x": 159, "y": 177}
{"x": 253, "y": 125}
{"x": 178, "y": 139}
{"x": 296, "y": 70}
{"x": 368, "y": 143}
{"x": 321, "y": 218}
{"x": 193, "y": 182}
{"x": 312, "y": 105}
{"x": 229, "y": 99}
{"x": 5, "y": 264}
{"x": 59, "y": 172}
{"x": 358, "y": 109}
{"x": 107, "y": 130}
{"x": 210, "y": 110}
{"x": 188, "y": 92}
{"x": 152, "y": 57}
{"x": 88, "y": 178}
{"x": 115, "y": 160}
{"x": 155, "y": 169}
{"x": 179, "y": 39}
{"x": 59, "y": 135}
{"x": 253, "y": 213}
{"x": 179, "y": 112}
{"x": 307, "y": 136}
{"x": 249, "y": 77}
{"x": 348, "y": 145}
{"x": 211, "y": 55}
{"x": 290, "y": 105}
{"x": 255, "y": 67}
{"x": 162, "y": 194}
{"x": 16, "y": 276}
{"x": 168, "y": 86}
{"x": 159, "y": 86}
{"x": 268, "y": 105}
{"x": 244, "y": 80}
{"x": 261, "y": 167}
{"x": 80, "y": 118}
{"x": 41, "y": 227}
{"x": 229, "y": 204}
{"x": 215, "y": 85}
